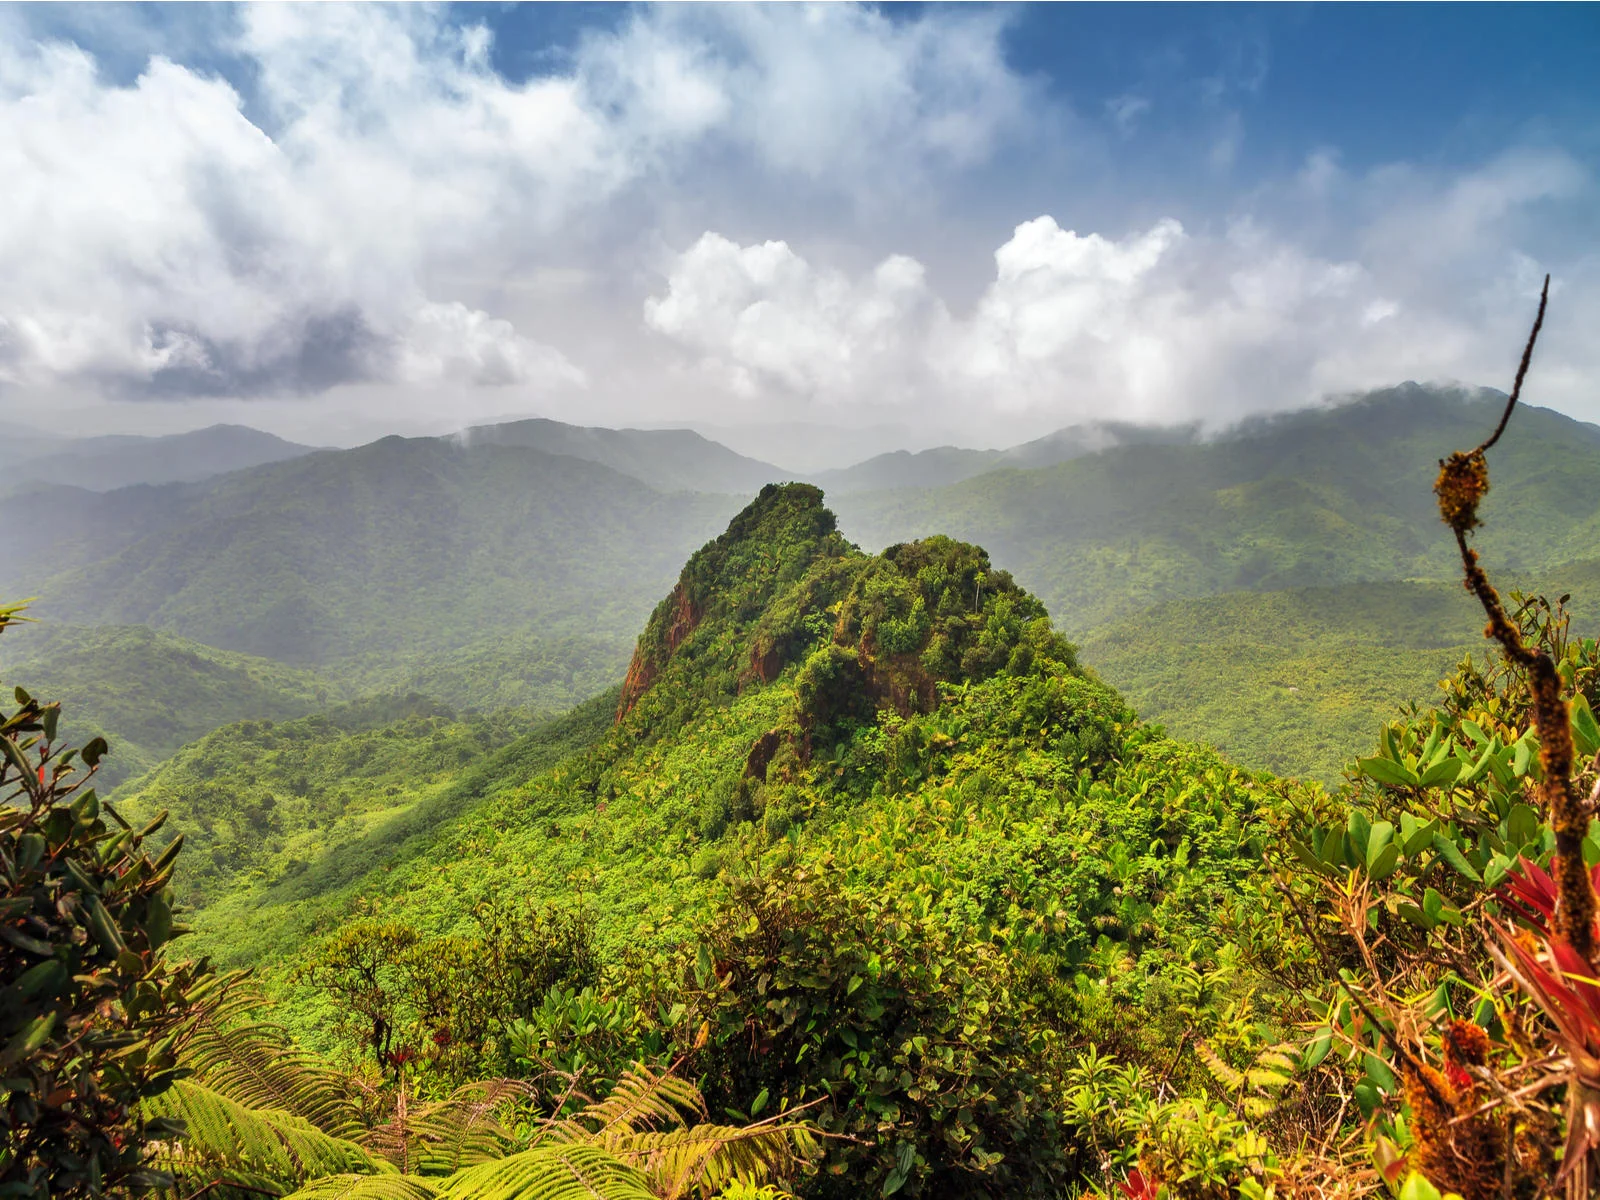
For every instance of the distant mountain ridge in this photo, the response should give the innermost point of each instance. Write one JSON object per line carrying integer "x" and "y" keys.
{"x": 377, "y": 554}
{"x": 103, "y": 464}
{"x": 945, "y": 465}
{"x": 669, "y": 460}
{"x": 1309, "y": 499}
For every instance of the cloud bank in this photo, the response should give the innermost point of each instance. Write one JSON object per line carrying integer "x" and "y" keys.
{"x": 368, "y": 204}
{"x": 1161, "y": 323}
{"x": 156, "y": 239}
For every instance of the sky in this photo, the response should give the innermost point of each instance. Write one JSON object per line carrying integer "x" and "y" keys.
{"x": 971, "y": 224}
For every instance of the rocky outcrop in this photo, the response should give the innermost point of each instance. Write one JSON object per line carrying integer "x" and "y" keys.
{"x": 682, "y": 617}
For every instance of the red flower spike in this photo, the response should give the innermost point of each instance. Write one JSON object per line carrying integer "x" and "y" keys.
{"x": 1139, "y": 1186}
{"x": 1530, "y": 892}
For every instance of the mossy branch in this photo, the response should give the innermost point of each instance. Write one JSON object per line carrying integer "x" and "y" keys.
{"x": 1463, "y": 482}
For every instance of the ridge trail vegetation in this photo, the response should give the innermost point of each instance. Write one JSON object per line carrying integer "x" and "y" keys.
{"x": 861, "y": 884}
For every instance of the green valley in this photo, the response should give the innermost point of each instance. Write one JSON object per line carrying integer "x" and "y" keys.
{"x": 149, "y": 692}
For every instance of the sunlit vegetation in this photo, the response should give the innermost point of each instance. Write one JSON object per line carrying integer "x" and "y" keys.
{"x": 859, "y": 884}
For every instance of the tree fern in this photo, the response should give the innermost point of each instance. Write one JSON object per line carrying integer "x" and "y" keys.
{"x": 644, "y": 1122}
{"x": 705, "y": 1159}
{"x": 257, "y": 1064}
{"x": 553, "y": 1172}
{"x": 258, "y": 1148}
{"x": 368, "y": 1187}
{"x": 445, "y": 1136}
{"x": 640, "y": 1100}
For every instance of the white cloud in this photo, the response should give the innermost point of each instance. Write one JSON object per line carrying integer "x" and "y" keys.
{"x": 761, "y": 315}
{"x": 1158, "y": 325}
{"x": 156, "y": 240}
{"x": 830, "y": 92}
{"x": 384, "y": 213}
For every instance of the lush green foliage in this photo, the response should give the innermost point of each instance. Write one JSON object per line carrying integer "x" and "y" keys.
{"x": 258, "y": 800}
{"x": 88, "y": 1008}
{"x": 1309, "y": 499}
{"x": 1300, "y": 681}
{"x": 148, "y": 693}
{"x": 275, "y": 906}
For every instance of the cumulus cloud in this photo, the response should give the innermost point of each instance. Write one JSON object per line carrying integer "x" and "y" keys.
{"x": 763, "y": 315}
{"x": 1159, "y": 324}
{"x": 171, "y": 236}
{"x": 372, "y": 208}
{"x": 154, "y": 239}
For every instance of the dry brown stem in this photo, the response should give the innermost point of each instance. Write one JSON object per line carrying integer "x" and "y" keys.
{"x": 1463, "y": 481}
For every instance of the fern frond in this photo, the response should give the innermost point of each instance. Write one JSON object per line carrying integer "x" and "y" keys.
{"x": 1266, "y": 1080}
{"x": 1227, "y": 1076}
{"x": 705, "y": 1159}
{"x": 447, "y": 1135}
{"x": 640, "y": 1099}
{"x": 366, "y": 1187}
{"x": 257, "y": 1064}
{"x": 255, "y": 1147}
{"x": 549, "y": 1173}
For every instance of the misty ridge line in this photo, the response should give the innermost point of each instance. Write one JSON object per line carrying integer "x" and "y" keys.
{"x": 668, "y": 458}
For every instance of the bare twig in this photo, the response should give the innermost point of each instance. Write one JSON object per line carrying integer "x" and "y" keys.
{"x": 1522, "y": 369}
{"x": 1462, "y": 484}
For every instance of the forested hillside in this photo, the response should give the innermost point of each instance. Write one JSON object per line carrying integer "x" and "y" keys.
{"x": 1308, "y": 499}
{"x": 857, "y": 842}
{"x": 379, "y": 561}
{"x": 1296, "y": 681}
{"x": 148, "y": 692}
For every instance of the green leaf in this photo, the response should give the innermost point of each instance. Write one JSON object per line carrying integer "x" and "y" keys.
{"x": 1378, "y": 840}
{"x": 1499, "y": 867}
{"x": 1359, "y": 829}
{"x": 1332, "y": 851}
{"x": 1451, "y": 853}
{"x": 1420, "y": 834}
{"x": 1432, "y": 904}
{"x": 47, "y": 977}
{"x": 1522, "y": 825}
{"x": 31, "y": 1037}
{"x": 1367, "y": 1098}
{"x": 1416, "y": 916}
{"x": 1386, "y": 863}
{"x": 1522, "y": 754}
{"x": 1318, "y": 1049}
{"x": 1379, "y": 1072}
{"x": 1388, "y": 772}
{"x": 1441, "y": 772}
{"x": 1585, "y": 730}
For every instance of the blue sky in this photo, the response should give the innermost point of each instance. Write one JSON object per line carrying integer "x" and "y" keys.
{"x": 967, "y": 223}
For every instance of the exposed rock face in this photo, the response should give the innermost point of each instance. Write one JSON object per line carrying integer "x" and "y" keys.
{"x": 760, "y": 757}
{"x": 646, "y": 665}
{"x": 730, "y": 582}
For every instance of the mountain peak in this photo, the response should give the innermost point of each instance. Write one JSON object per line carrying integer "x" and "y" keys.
{"x": 781, "y": 589}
